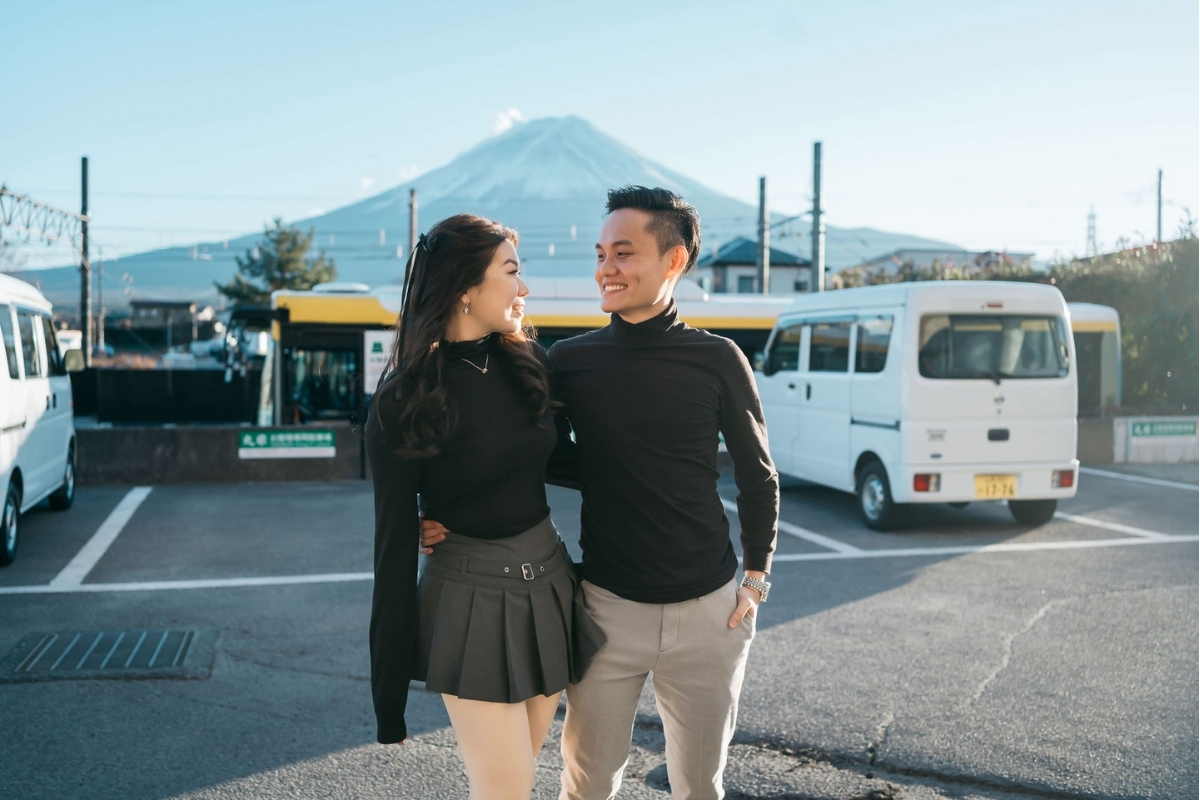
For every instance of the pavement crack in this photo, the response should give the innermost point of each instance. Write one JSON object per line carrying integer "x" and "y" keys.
{"x": 269, "y": 665}
{"x": 1006, "y": 657}
{"x": 881, "y": 732}
{"x": 227, "y": 707}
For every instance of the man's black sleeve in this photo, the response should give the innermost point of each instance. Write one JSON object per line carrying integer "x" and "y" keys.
{"x": 745, "y": 432}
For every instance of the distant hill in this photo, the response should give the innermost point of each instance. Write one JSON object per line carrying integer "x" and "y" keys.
{"x": 547, "y": 178}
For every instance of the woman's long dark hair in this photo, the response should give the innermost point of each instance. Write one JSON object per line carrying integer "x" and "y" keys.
{"x": 416, "y": 409}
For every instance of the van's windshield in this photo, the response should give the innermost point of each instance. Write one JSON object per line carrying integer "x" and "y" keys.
{"x": 993, "y": 346}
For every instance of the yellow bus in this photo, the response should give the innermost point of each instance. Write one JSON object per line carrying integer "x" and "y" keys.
{"x": 329, "y": 345}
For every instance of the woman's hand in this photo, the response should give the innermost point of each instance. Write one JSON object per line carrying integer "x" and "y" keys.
{"x": 432, "y": 532}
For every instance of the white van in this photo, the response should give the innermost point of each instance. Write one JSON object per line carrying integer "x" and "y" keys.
{"x": 930, "y": 392}
{"x": 37, "y": 425}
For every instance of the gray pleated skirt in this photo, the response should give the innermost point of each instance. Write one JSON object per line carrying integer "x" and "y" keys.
{"x": 503, "y": 620}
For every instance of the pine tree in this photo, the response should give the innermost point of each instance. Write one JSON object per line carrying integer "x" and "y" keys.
{"x": 280, "y": 262}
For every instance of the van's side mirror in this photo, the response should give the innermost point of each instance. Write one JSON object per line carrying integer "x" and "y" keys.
{"x": 758, "y": 361}
{"x": 73, "y": 360}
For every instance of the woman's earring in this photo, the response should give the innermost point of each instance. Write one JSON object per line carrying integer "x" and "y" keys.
{"x": 466, "y": 308}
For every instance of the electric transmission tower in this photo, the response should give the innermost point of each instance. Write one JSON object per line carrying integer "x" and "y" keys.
{"x": 50, "y": 224}
{"x": 1091, "y": 249}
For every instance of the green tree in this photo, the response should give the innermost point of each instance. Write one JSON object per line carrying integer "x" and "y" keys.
{"x": 280, "y": 262}
{"x": 1154, "y": 289}
{"x": 986, "y": 267}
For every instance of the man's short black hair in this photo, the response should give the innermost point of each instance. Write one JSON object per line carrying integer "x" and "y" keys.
{"x": 674, "y": 221}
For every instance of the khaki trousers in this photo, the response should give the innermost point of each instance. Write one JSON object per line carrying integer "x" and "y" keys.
{"x": 698, "y": 663}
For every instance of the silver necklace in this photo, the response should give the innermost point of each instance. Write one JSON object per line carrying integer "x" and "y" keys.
{"x": 482, "y": 369}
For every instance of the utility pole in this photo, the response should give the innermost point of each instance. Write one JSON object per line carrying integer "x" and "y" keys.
{"x": 412, "y": 226}
{"x": 100, "y": 302}
{"x": 85, "y": 277}
{"x": 818, "y": 231}
{"x": 763, "y": 253}
{"x": 1158, "y": 234}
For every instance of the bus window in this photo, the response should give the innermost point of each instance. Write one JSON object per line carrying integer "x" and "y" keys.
{"x": 785, "y": 351}
{"x": 320, "y": 385}
{"x": 871, "y": 349}
{"x": 955, "y": 346}
{"x": 829, "y": 350}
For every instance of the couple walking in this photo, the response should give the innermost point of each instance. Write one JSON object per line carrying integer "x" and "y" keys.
{"x": 474, "y": 417}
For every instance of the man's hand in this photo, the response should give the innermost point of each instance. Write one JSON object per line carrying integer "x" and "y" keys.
{"x": 432, "y": 532}
{"x": 748, "y": 600}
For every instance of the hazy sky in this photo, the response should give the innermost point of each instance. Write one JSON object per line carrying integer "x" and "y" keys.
{"x": 991, "y": 125}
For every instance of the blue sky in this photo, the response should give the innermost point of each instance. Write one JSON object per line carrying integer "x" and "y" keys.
{"x": 992, "y": 125}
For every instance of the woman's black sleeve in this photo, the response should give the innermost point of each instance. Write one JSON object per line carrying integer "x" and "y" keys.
{"x": 394, "y": 602}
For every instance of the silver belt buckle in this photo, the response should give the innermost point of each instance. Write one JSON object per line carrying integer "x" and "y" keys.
{"x": 527, "y": 571}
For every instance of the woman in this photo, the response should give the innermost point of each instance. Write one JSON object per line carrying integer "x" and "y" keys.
{"x": 464, "y": 419}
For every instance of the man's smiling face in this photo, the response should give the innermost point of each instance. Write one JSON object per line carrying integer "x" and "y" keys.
{"x": 635, "y": 279}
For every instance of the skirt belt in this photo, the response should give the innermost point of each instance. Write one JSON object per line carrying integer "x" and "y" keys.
{"x": 532, "y": 570}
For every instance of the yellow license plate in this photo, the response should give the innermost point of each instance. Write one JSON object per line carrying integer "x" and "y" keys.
{"x": 995, "y": 487}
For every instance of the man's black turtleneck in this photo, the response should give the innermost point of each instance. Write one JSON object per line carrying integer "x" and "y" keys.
{"x": 646, "y": 403}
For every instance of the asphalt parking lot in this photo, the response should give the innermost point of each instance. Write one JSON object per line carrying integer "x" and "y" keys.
{"x": 961, "y": 656}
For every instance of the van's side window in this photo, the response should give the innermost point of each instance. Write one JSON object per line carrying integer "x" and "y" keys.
{"x": 785, "y": 350}
{"x": 829, "y": 350}
{"x": 29, "y": 345}
{"x": 54, "y": 357}
{"x": 10, "y": 341}
{"x": 871, "y": 349}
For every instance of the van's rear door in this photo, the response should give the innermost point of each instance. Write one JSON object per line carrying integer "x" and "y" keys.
{"x": 995, "y": 385}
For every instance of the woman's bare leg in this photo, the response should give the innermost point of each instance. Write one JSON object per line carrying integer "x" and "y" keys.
{"x": 494, "y": 739}
{"x": 541, "y": 711}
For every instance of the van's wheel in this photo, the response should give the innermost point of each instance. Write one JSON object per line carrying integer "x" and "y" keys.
{"x": 1032, "y": 512}
{"x": 64, "y": 495}
{"x": 9, "y": 525}
{"x": 875, "y": 504}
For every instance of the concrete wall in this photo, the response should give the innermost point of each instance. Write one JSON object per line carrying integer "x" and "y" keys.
{"x": 1095, "y": 443}
{"x": 203, "y": 454}
{"x": 1155, "y": 440}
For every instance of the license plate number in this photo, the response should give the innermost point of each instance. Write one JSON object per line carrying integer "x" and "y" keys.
{"x": 995, "y": 487}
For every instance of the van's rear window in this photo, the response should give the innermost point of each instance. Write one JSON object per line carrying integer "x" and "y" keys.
{"x": 994, "y": 346}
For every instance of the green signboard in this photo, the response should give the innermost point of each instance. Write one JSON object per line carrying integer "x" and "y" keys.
{"x": 1163, "y": 428}
{"x": 285, "y": 443}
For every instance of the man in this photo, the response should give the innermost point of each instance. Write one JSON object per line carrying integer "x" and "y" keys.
{"x": 646, "y": 398}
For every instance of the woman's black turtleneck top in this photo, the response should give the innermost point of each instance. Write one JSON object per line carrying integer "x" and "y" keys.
{"x": 486, "y": 482}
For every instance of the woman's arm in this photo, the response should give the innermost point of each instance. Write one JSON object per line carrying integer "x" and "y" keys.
{"x": 393, "y": 632}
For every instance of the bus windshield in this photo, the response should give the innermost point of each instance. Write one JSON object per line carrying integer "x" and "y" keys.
{"x": 993, "y": 346}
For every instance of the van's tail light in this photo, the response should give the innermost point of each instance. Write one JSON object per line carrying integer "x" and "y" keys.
{"x": 927, "y": 482}
{"x": 1063, "y": 478}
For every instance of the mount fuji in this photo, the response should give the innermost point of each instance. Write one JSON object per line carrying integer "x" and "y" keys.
{"x": 547, "y": 178}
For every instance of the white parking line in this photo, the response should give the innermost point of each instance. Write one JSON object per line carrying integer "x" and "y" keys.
{"x": 1120, "y": 476}
{"x": 802, "y": 533}
{"x": 1110, "y": 526}
{"x": 209, "y": 583}
{"x": 1009, "y": 547}
{"x": 79, "y": 567}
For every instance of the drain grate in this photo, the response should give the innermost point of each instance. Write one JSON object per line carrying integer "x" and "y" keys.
{"x": 85, "y": 655}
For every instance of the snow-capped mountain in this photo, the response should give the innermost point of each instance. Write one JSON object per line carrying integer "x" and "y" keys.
{"x": 547, "y": 178}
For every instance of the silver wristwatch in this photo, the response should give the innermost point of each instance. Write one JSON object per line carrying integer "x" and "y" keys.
{"x": 762, "y": 587}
